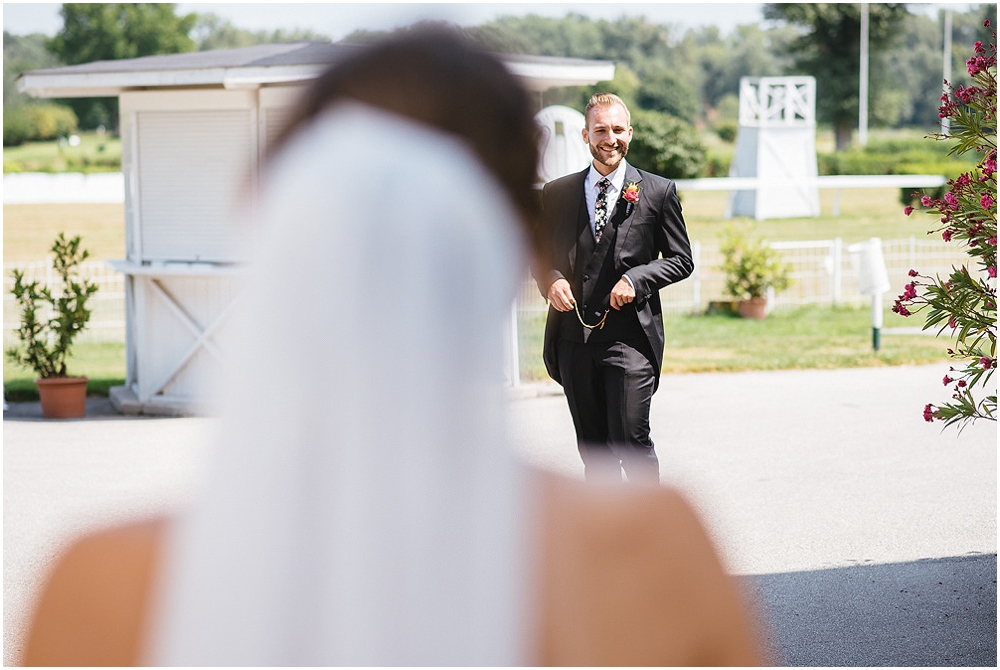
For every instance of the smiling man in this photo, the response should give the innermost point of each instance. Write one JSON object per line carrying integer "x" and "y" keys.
{"x": 614, "y": 236}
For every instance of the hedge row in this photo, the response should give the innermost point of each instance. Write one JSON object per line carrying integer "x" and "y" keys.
{"x": 37, "y": 123}
{"x": 897, "y": 156}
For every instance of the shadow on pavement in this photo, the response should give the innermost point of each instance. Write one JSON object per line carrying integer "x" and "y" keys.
{"x": 931, "y": 612}
{"x": 97, "y": 408}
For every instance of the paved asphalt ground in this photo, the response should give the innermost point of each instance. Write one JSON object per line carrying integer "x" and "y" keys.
{"x": 864, "y": 535}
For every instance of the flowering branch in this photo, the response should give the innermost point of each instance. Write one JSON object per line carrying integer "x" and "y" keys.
{"x": 966, "y": 304}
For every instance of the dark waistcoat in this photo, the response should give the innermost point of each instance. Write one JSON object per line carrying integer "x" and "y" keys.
{"x": 594, "y": 275}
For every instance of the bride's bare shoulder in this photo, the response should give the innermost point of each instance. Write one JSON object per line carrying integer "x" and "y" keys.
{"x": 92, "y": 609}
{"x": 630, "y": 577}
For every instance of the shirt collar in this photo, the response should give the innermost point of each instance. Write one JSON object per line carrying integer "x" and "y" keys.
{"x": 617, "y": 178}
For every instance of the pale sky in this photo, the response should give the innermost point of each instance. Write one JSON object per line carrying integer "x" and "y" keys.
{"x": 339, "y": 19}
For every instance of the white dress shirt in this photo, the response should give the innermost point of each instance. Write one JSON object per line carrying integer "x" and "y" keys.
{"x": 591, "y": 189}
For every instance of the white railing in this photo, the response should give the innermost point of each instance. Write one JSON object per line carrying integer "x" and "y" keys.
{"x": 821, "y": 273}
{"x": 107, "y": 321}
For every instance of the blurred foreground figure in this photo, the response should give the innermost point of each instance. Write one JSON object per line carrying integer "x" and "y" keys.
{"x": 364, "y": 507}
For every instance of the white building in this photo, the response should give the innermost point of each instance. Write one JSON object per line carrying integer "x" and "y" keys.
{"x": 193, "y": 128}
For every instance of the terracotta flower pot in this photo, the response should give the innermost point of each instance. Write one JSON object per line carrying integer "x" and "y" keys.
{"x": 63, "y": 397}
{"x": 754, "y": 308}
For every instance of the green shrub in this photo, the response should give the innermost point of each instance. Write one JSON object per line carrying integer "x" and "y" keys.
{"x": 16, "y": 127}
{"x": 750, "y": 265}
{"x": 666, "y": 146}
{"x": 895, "y": 156}
{"x": 37, "y": 123}
{"x": 717, "y": 164}
{"x": 727, "y": 130}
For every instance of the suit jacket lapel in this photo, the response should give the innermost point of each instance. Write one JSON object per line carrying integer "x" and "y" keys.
{"x": 622, "y": 217}
{"x": 576, "y": 218}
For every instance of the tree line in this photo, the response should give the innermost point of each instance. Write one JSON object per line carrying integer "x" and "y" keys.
{"x": 671, "y": 78}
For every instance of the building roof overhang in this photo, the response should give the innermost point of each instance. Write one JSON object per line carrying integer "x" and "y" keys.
{"x": 265, "y": 65}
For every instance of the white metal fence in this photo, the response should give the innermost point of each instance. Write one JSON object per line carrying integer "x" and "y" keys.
{"x": 821, "y": 273}
{"x": 107, "y": 321}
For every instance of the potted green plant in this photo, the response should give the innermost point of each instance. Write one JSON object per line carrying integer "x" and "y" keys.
{"x": 51, "y": 318}
{"x": 751, "y": 267}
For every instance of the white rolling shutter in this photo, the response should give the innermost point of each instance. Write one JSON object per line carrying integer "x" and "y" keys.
{"x": 193, "y": 165}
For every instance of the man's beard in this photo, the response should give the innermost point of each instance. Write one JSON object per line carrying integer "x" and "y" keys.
{"x": 621, "y": 147}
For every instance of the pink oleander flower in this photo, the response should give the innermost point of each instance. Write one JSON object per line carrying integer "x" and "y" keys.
{"x": 977, "y": 64}
{"x": 986, "y": 201}
{"x": 986, "y": 362}
{"x": 952, "y": 323}
{"x": 947, "y": 380}
{"x": 966, "y": 95}
{"x": 950, "y": 198}
{"x": 962, "y": 384}
{"x": 992, "y": 270}
{"x": 912, "y": 272}
{"x": 908, "y": 210}
{"x": 926, "y": 201}
{"x": 929, "y": 413}
{"x": 963, "y": 180}
{"x": 993, "y": 241}
{"x": 946, "y": 235}
{"x": 978, "y": 46}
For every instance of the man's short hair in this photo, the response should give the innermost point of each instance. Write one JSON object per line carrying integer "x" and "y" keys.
{"x": 606, "y": 100}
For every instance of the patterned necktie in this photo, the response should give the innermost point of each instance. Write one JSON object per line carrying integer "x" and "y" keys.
{"x": 601, "y": 209}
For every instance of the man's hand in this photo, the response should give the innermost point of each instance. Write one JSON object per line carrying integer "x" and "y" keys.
{"x": 622, "y": 294}
{"x": 561, "y": 295}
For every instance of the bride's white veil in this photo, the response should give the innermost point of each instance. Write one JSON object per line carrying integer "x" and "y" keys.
{"x": 363, "y": 507}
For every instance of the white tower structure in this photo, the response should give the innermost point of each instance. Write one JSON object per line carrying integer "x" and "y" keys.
{"x": 561, "y": 144}
{"x": 777, "y": 145}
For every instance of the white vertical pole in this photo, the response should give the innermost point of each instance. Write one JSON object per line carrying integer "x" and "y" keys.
{"x": 696, "y": 276}
{"x": 836, "y": 278}
{"x": 863, "y": 80}
{"x": 511, "y": 349}
{"x": 946, "y": 69}
{"x": 877, "y": 321}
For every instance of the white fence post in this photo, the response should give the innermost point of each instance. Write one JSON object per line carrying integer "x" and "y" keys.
{"x": 510, "y": 350}
{"x": 696, "y": 276}
{"x": 836, "y": 252}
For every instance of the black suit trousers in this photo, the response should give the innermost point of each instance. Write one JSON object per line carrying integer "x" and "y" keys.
{"x": 609, "y": 387}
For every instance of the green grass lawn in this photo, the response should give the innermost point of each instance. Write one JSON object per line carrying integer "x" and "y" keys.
{"x": 810, "y": 337}
{"x": 864, "y": 213}
{"x": 103, "y": 362}
{"x": 791, "y": 338}
{"x": 95, "y": 153}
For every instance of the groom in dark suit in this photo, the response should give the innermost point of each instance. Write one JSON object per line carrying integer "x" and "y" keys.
{"x": 613, "y": 236}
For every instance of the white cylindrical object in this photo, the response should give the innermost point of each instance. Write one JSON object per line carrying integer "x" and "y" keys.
{"x": 877, "y": 311}
{"x": 869, "y": 265}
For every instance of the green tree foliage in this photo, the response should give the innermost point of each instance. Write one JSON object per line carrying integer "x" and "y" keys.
{"x": 26, "y": 119}
{"x": 112, "y": 31}
{"x": 20, "y": 54}
{"x": 663, "y": 91}
{"x": 665, "y": 146}
{"x": 829, "y": 49}
{"x": 211, "y": 31}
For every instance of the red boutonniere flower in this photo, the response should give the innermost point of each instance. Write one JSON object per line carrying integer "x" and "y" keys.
{"x": 631, "y": 192}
